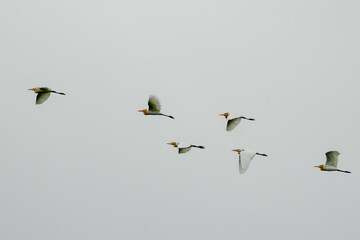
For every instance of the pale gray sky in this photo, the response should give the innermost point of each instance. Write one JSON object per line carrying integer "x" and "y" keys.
{"x": 89, "y": 166}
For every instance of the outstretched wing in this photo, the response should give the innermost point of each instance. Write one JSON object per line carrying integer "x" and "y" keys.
{"x": 154, "y": 104}
{"x": 42, "y": 97}
{"x": 232, "y": 123}
{"x": 332, "y": 158}
{"x": 184, "y": 150}
{"x": 245, "y": 158}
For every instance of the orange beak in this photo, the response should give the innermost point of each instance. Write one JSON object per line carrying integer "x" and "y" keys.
{"x": 224, "y": 114}
{"x": 173, "y": 143}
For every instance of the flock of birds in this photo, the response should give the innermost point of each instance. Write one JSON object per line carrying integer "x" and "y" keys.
{"x": 245, "y": 155}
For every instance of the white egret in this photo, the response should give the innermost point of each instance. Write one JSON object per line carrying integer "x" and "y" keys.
{"x": 154, "y": 107}
{"x": 245, "y": 157}
{"x": 331, "y": 162}
{"x": 43, "y": 93}
{"x": 184, "y": 147}
{"x": 233, "y": 121}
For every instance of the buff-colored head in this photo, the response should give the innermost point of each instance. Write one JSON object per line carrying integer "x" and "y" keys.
{"x": 237, "y": 150}
{"x": 173, "y": 143}
{"x": 225, "y": 114}
{"x": 34, "y": 89}
{"x": 144, "y": 111}
{"x": 320, "y": 166}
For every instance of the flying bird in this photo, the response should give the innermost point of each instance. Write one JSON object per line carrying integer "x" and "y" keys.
{"x": 154, "y": 107}
{"x": 43, "y": 93}
{"x": 245, "y": 157}
{"x": 331, "y": 162}
{"x": 184, "y": 147}
{"x": 233, "y": 121}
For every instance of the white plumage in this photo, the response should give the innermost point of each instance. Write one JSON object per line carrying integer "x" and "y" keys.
{"x": 154, "y": 107}
{"x": 332, "y": 158}
{"x": 245, "y": 157}
{"x": 43, "y": 93}
{"x": 233, "y": 121}
{"x": 184, "y": 147}
{"x": 331, "y": 162}
{"x": 154, "y": 104}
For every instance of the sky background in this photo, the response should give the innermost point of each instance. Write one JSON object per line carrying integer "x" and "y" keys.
{"x": 89, "y": 166}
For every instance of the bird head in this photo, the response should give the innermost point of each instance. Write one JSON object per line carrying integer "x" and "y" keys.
{"x": 237, "y": 150}
{"x": 225, "y": 114}
{"x": 320, "y": 166}
{"x": 34, "y": 89}
{"x": 173, "y": 143}
{"x": 144, "y": 111}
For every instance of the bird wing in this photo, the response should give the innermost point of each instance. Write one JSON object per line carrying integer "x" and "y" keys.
{"x": 332, "y": 158}
{"x": 232, "y": 123}
{"x": 184, "y": 150}
{"x": 245, "y": 158}
{"x": 42, "y": 97}
{"x": 154, "y": 104}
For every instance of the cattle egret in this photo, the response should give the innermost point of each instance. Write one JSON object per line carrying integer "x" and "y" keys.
{"x": 154, "y": 107}
{"x": 331, "y": 162}
{"x": 245, "y": 157}
{"x": 43, "y": 93}
{"x": 233, "y": 121}
{"x": 184, "y": 147}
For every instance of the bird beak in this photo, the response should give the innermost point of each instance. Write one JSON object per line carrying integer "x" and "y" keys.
{"x": 172, "y": 143}
{"x": 224, "y": 114}
{"x": 140, "y": 110}
{"x": 32, "y": 89}
{"x": 317, "y": 166}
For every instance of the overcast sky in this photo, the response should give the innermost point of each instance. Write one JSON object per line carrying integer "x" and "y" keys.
{"x": 89, "y": 166}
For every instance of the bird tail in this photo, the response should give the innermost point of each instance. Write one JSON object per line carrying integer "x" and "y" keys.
{"x": 202, "y": 147}
{"x": 343, "y": 171}
{"x": 262, "y": 154}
